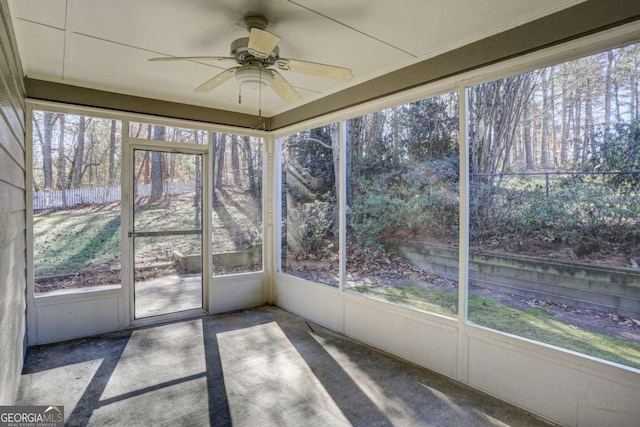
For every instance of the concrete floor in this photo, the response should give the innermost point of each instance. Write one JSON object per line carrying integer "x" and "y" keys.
{"x": 258, "y": 367}
{"x": 168, "y": 294}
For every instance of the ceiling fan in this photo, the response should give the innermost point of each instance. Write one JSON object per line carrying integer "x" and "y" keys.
{"x": 258, "y": 58}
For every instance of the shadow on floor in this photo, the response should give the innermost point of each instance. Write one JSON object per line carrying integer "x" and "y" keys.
{"x": 254, "y": 367}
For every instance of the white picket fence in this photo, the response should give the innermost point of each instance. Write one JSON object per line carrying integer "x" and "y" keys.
{"x": 52, "y": 199}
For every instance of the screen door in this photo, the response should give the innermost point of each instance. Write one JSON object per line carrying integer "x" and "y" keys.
{"x": 167, "y": 232}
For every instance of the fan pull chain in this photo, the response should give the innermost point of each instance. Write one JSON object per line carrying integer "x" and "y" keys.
{"x": 240, "y": 94}
{"x": 260, "y": 94}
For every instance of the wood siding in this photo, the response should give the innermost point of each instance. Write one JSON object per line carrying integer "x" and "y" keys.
{"x": 12, "y": 213}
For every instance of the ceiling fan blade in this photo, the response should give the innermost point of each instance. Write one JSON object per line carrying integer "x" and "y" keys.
{"x": 262, "y": 43}
{"x": 283, "y": 89}
{"x": 216, "y": 80}
{"x": 315, "y": 69}
{"x": 192, "y": 58}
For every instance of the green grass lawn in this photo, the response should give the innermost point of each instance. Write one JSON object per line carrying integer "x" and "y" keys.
{"x": 66, "y": 244}
{"x": 536, "y": 323}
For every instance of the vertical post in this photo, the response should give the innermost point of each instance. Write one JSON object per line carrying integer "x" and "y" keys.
{"x": 206, "y": 218}
{"x": 342, "y": 220}
{"x": 271, "y": 215}
{"x": 546, "y": 176}
{"x": 127, "y": 181}
{"x": 463, "y": 257}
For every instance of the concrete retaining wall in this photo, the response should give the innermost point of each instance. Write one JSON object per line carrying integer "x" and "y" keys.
{"x": 578, "y": 285}
{"x": 192, "y": 263}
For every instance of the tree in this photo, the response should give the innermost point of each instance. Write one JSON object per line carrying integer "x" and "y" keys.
{"x": 214, "y": 170}
{"x": 112, "y": 154}
{"x": 62, "y": 159}
{"x": 75, "y": 173}
{"x": 546, "y": 112}
{"x": 564, "y": 114}
{"x": 253, "y": 188}
{"x": 530, "y": 161}
{"x": 235, "y": 161}
{"x": 495, "y": 110}
{"x": 220, "y": 160}
{"x": 157, "y": 164}
{"x": 47, "y": 166}
{"x": 608, "y": 90}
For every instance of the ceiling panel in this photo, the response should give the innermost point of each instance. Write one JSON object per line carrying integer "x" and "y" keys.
{"x": 41, "y": 50}
{"x": 108, "y": 43}
{"x": 162, "y": 26}
{"x": 51, "y": 13}
{"x": 426, "y": 27}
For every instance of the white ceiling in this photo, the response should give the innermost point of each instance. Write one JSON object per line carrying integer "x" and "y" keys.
{"x": 105, "y": 44}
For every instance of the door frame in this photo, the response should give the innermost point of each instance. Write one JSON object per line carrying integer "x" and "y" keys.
{"x": 129, "y": 145}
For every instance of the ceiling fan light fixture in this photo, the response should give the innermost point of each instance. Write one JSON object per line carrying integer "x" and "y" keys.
{"x": 254, "y": 77}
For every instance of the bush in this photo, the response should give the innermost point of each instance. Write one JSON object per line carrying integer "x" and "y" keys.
{"x": 309, "y": 224}
{"x": 417, "y": 199}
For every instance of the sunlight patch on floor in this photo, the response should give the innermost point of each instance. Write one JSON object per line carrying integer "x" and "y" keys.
{"x": 370, "y": 387}
{"x": 261, "y": 361}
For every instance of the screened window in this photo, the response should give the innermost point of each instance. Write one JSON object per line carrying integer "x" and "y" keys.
{"x": 555, "y": 205}
{"x": 402, "y": 195}
{"x": 309, "y": 205}
{"x": 76, "y": 168}
{"x": 237, "y": 204}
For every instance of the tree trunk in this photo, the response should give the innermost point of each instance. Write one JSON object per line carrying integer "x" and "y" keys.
{"x": 553, "y": 139}
{"x": 577, "y": 130}
{"x": 564, "y": 132}
{"x": 248, "y": 155}
{"x": 214, "y": 170}
{"x": 222, "y": 146}
{"x": 589, "y": 130}
{"x": 608, "y": 89}
{"x": 546, "y": 108}
{"x": 235, "y": 161}
{"x": 47, "y": 166}
{"x": 62, "y": 161}
{"x": 78, "y": 158}
{"x": 112, "y": 154}
{"x": 157, "y": 164}
{"x": 528, "y": 144}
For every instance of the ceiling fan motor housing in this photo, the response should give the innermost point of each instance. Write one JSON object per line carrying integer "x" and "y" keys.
{"x": 240, "y": 51}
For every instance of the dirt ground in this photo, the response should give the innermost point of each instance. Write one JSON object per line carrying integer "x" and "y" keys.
{"x": 593, "y": 253}
{"x": 391, "y": 270}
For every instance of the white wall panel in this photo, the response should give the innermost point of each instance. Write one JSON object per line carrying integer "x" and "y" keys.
{"x": 607, "y": 402}
{"x": 315, "y": 302}
{"x": 63, "y": 317}
{"x": 403, "y": 332}
{"x": 235, "y": 292}
{"x": 527, "y": 381}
